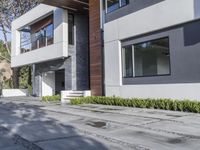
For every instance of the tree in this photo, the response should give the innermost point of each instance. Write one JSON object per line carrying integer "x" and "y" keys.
{"x": 5, "y": 70}
{"x": 10, "y": 10}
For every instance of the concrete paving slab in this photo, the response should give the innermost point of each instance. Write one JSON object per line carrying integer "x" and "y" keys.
{"x": 135, "y": 120}
{"x": 130, "y": 112}
{"x": 155, "y": 140}
{"x": 96, "y": 125}
{"x": 14, "y": 148}
{"x": 42, "y": 130}
{"x": 192, "y": 120}
{"x": 176, "y": 127}
{"x": 79, "y": 143}
{"x": 5, "y": 141}
{"x": 4, "y": 119}
{"x": 54, "y": 126}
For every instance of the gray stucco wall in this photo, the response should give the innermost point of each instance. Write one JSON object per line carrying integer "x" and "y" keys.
{"x": 184, "y": 43}
{"x": 133, "y": 6}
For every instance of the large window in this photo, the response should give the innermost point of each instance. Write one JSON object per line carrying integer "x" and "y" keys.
{"x": 49, "y": 34}
{"x": 43, "y": 37}
{"x": 127, "y": 61}
{"x": 71, "y": 29}
{"x": 115, "y": 4}
{"x": 25, "y": 39}
{"x": 150, "y": 58}
{"x": 37, "y": 35}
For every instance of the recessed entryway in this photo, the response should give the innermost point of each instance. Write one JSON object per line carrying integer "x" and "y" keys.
{"x": 59, "y": 81}
{"x": 53, "y": 82}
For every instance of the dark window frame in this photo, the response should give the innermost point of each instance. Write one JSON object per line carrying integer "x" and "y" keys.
{"x": 144, "y": 76}
{"x": 71, "y": 40}
{"x": 119, "y": 7}
{"x": 124, "y": 56}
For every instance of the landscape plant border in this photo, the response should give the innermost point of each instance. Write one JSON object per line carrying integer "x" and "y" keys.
{"x": 54, "y": 98}
{"x": 164, "y": 104}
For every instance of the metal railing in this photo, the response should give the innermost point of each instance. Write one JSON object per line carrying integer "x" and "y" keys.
{"x": 35, "y": 43}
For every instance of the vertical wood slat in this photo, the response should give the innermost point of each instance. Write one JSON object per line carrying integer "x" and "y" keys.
{"x": 96, "y": 64}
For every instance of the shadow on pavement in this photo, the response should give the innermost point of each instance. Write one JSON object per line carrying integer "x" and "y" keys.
{"x": 31, "y": 127}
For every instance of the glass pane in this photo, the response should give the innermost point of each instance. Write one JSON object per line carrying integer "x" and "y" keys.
{"x": 71, "y": 29}
{"x": 34, "y": 40}
{"x": 49, "y": 34}
{"x": 49, "y": 31}
{"x": 124, "y": 2}
{"x": 112, "y": 5}
{"x": 127, "y": 62}
{"x": 25, "y": 40}
{"x": 42, "y": 38}
{"x": 152, "y": 58}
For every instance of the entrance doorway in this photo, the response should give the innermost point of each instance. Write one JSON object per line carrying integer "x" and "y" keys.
{"x": 59, "y": 81}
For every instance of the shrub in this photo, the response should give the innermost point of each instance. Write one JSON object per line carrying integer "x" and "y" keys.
{"x": 165, "y": 104}
{"x": 54, "y": 98}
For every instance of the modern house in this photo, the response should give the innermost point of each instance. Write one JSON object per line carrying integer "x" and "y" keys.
{"x": 55, "y": 42}
{"x": 152, "y": 48}
{"x": 126, "y": 48}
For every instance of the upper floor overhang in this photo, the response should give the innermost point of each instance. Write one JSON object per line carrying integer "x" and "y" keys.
{"x": 81, "y": 6}
{"x": 35, "y": 23}
{"x": 128, "y": 23}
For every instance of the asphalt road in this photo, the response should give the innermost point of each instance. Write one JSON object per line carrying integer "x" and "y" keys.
{"x": 28, "y": 124}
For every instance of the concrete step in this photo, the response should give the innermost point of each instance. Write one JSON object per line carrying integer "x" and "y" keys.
{"x": 76, "y": 92}
{"x": 66, "y": 96}
{"x": 75, "y": 95}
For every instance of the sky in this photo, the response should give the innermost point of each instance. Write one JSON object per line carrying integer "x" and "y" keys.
{"x": 2, "y": 37}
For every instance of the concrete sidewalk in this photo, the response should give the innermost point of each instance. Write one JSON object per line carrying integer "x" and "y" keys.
{"x": 27, "y": 123}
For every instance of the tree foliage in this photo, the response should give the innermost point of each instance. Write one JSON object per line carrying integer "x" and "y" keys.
{"x": 10, "y": 10}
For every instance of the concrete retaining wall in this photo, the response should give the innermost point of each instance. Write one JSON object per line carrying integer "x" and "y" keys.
{"x": 14, "y": 92}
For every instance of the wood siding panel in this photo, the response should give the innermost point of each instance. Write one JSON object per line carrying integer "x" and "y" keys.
{"x": 41, "y": 24}
{"x": 96, "y": 64}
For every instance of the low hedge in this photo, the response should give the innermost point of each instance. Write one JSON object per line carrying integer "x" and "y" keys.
{"x": 165, "y": 104}
{"x": 54, "y": 98}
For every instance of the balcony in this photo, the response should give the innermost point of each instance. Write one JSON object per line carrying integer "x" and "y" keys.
{"x": 28, "y": 46}
{"x": 40, "y": 35}
{"x": 32, "y": 40}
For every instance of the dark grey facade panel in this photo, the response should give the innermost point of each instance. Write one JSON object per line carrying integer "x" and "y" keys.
{"x": 60, "y": 81}
{"x": 133, "y": 6}
{"x": 82, "y": 52}
{"x": 184, "y": 41}
{"x": 68, "y": 74}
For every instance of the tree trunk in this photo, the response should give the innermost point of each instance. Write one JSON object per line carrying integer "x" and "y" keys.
{"x": 15, "y": 77}
{"x": 30, "y": 76}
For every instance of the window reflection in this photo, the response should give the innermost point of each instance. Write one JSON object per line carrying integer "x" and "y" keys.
{"x": 37, "y": 35}
{"x": 151, "y": 58}
{"x": 115, "y": 4}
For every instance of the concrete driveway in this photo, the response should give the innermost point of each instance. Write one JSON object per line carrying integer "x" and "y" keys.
{"x": 26, "y": 123}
